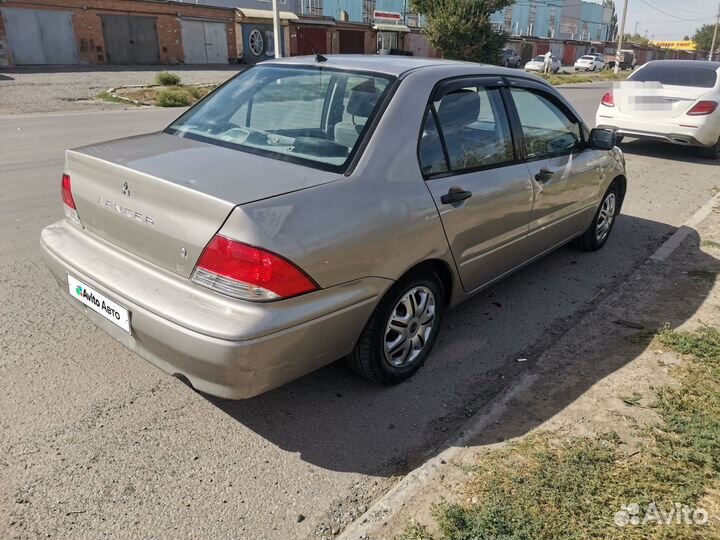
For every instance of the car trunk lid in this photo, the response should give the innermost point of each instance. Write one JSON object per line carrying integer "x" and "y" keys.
{"x": 162, "y": 198}
{"x": 656, "y": 100}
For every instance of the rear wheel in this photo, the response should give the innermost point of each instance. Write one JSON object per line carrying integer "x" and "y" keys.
{"x": 711, "y": 152}
{"x": 599, "y": 230}
{"x": 402, "y": 330}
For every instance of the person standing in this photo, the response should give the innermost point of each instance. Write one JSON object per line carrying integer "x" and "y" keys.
{"x": 548, "y": 63}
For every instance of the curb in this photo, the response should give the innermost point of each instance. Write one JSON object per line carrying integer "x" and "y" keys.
{"x": 401, "y": 494}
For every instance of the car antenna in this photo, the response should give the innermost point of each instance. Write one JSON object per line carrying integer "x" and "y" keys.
{"x": 318, "y": 57}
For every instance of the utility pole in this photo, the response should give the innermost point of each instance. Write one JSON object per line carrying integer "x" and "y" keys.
{"x": 620, "y": 39}
{"x": 715, "y": 33}
{"x": 276, "y": 29}
{"x": 636, "y": 27}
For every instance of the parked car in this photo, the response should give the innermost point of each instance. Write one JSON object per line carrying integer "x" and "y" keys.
{"x": 509, "y": 58}
{"x": 538, "y": 64}
{"x": 627, "y": 60}
{"x": 590, "y": 62}
{"x": 310, "y": 210}
{"x": 678, "y": 103}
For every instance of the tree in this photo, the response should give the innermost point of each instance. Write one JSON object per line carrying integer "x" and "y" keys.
{"x": 703, "y": 37}
{"x": 612, "y": 30}
{"x": 636, "y": 39}
{"x": 461, "y": 29}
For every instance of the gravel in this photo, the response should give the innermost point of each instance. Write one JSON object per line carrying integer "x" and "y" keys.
{"x": 74, "y": 88}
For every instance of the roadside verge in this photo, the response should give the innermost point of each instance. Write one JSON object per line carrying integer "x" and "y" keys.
{"x": 601, "y": 354}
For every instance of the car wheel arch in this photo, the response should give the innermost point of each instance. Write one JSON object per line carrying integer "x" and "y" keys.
{"x": 441, "y": 269}
{"x": 621, "y": 182}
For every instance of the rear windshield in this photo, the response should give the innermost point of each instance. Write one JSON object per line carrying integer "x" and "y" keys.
{"x": 312, "y": 116}
{"x": 674, "y": 75}
{"x": 587, "y": 58}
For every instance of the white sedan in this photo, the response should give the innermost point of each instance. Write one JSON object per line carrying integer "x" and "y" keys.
{"x": 589, "y": 62}
{"x": 674, "y": 101}
{"x": 538, "y": 64}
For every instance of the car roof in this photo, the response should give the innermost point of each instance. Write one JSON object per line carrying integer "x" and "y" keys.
{"x": 386, "y": 64}
{"x": 686, "y": 63}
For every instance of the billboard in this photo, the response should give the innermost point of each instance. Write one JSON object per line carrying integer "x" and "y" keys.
{"x": 676, "y": 45}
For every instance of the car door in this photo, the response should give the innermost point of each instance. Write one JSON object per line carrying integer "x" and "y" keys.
{"x": 566, "y": 174}
{"x": 483, "y": 194}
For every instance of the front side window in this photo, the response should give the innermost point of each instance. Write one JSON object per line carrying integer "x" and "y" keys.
{"x": 473, "y": 127}
{"x": 547, "y": 130}
{"x": 316, "y": 117}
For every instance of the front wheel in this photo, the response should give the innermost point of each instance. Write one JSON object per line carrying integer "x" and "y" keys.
{"x": 599, "y": 230}
{"x": 402, "y": 330}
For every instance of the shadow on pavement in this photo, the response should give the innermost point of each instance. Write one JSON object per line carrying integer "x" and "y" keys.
{"x": 662, "y": 150}
{"x": 337, "y": 421}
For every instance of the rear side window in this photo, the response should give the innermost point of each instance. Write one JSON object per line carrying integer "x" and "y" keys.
{"x": 547, "y": 130}
{"x": 472, "y": 125}
{"x": 674, "y": 75}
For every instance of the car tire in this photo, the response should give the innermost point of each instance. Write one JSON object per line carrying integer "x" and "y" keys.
{"x": 375, "y": 356}
{"x": 596, "y": 235}
{"x": 711, "y": 152}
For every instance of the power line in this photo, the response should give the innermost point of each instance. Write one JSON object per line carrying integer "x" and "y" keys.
{"x": 670, "y": 14}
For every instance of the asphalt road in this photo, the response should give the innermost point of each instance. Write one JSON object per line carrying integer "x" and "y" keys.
{"x": 97, "y": 443}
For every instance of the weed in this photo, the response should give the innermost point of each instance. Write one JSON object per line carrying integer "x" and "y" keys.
{"x": 703, "y": 274}
{"x": 173, "y": 97}
{"x": 165, "y": 78}
{"x": 632, "y": 400}
{"x": 107, "y": 96}
{"x": 544, "y": 489}
{"x": 710, "y": 244}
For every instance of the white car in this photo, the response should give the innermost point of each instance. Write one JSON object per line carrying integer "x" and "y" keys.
{"x": 675, "y": 101}
{"x": 590, "y": 62}
{"x": 538, "y": 64}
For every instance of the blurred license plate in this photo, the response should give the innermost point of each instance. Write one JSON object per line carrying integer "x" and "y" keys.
{"x": 99, "y": 303}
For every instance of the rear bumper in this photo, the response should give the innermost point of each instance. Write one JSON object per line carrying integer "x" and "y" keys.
{"x": 703, "y": 135}
{"x": 224, "y": 347}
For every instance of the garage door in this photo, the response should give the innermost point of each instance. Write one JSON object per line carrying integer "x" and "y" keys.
{"x": 204, "y": 42}
{"x": 40, "y": 36}
{"x": 130, "y": 39}
{"x": 352, "y": 42}
{"x": 316, "y": 36}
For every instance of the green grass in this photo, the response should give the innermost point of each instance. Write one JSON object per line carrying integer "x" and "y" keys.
{"x": 107, "y": 96}
{"x": 710, "y": 244}
{"x": 544, "y": 489}
{"x": 181, "y": 96}
{"x": 702, "y": 274}
{"x": 576, "y": 78}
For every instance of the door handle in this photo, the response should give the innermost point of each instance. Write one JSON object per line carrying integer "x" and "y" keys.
{"x": 455, "y": 195}
{"x": 544, "y": 175}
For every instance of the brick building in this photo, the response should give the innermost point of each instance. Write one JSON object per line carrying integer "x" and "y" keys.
{"x": 110, "y": 32}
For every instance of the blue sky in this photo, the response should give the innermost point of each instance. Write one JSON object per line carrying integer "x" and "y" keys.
{"x": 672, "y": 24}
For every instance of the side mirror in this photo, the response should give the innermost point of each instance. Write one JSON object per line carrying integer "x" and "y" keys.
{"x": 602, "y": 139}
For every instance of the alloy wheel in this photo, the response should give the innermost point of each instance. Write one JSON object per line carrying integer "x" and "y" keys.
{"x": 605, "y": 217}
{"x": 409, "y": 327}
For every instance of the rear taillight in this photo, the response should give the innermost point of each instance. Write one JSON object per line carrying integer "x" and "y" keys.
{"x": 703, "y": 107}
{"x": 608, "y": 100}
{"x": 249, "y": 273}
{"x": 68, "y": 201}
